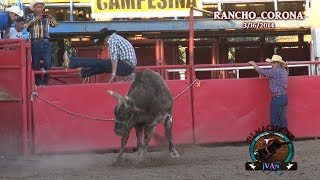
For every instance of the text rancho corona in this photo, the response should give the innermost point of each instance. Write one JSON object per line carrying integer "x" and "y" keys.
{"x": 245, "y": 15}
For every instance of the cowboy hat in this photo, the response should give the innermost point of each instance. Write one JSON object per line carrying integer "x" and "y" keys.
{"x": 275, "y": 58}
{"x": 34, "y": 2}
{"x": 16, "y": 10}
{"x": 103, "y": 33}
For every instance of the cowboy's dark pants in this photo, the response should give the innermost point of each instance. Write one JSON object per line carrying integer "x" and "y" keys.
{"x": 92, "y": 66}
{"x": 41, "y": 50}
{"x": 278, "y": 110}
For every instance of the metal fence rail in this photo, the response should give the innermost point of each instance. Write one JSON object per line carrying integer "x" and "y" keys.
{"x": 164, "y": 70}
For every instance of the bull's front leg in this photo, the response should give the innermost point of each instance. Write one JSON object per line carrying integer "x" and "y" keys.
{"x": 139, "y": 140}
{"x": 124, "y": 140}
{"x": 148, "y": 132}
{"x": 168, "y": 132}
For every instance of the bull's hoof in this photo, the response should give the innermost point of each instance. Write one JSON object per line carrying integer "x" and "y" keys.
{"x": 174, "y": 154}
{"x": 141, "y": 153}
{"x": 119, "y": 160}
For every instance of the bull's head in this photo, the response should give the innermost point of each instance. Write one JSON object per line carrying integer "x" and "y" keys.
{"x": 124, "y": 112}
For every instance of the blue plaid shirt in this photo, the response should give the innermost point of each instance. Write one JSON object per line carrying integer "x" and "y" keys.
{"x": 278, "y": 79}
{"x": 40, "y": 28}
{"x": 121, "y": 49}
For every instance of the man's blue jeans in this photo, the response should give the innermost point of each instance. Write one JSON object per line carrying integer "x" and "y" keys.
{"x": 92, "y": 66}
{"x": 41, "y": 50}
{"x": 278, "y": 111}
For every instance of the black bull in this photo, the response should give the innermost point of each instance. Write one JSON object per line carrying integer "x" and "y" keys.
{"x": 147, "y": 103}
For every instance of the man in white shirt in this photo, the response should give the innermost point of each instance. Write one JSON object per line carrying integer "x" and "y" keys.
{"x": 16, "y": 31}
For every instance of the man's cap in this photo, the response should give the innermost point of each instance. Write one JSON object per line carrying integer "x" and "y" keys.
{"x": 103, "y": 33}
{"x": 275, "y": 58}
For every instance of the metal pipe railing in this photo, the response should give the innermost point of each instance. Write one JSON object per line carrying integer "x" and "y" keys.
{"x": 59, "y": 72}
{"x": 11, "y": 41}
{"x": 246, "y": 64}
{"x": 197, "y": 67}
{"x": 56, "y": 71}
{"x": 191, "y": 43}
{"x": 72, "y": 71}
{"x": 203, "y": 11}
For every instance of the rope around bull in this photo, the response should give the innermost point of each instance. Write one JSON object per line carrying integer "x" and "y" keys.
{"x": 35, "y": 94}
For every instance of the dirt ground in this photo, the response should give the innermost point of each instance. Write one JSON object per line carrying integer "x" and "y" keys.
{"x": 195, "y": 162}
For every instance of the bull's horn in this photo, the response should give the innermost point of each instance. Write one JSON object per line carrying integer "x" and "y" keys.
{"x": 136, "y": 109}
{"x": 126, "y": 99}
{"x": 115, "y": 94}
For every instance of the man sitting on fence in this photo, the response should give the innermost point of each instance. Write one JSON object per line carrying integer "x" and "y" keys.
{"x": 122, "y": 60}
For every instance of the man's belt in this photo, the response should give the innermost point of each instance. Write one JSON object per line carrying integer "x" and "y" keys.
{"x": 129, "y": 63}
{"x": 41, "y": 40}
{"x": 278, "y": 94}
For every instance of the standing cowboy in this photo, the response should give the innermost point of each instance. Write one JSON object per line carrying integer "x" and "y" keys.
{"x": 278, "y": 80}
{"x": 38, "y": 25}
{"x": 7, "y": 18}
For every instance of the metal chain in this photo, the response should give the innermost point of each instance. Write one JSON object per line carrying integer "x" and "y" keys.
{"x": 35, "y": 93}
{"x": 70, "y": 112}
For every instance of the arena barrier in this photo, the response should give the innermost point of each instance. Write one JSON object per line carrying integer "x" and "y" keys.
{"x": 14, "y": 127}
{"x": 79, "y": 117}
{"x": 228, "y": 110}
{"x": 239, "y": 106}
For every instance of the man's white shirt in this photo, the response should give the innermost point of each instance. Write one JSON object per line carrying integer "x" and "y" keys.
{"x": 14, "y": 34}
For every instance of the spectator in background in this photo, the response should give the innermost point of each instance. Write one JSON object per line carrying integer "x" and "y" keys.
{"x": 16, "y": 31}
{"x": 38, "y": 24}
{"x": 7, "y": 18}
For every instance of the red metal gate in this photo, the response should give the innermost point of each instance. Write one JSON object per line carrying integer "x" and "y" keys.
{"x": 15, "y": 55}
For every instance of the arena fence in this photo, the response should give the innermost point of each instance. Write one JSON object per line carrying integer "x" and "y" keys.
{"x": 79, "y": 117}
{"x": 14, "y": 128}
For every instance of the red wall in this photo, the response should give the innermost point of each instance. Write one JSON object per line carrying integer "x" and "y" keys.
{"x": 224, "y": 111}
{"x": 57, "y": 131}
{"x": 228, "y": 110}
{"x": 303, "y": 108}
